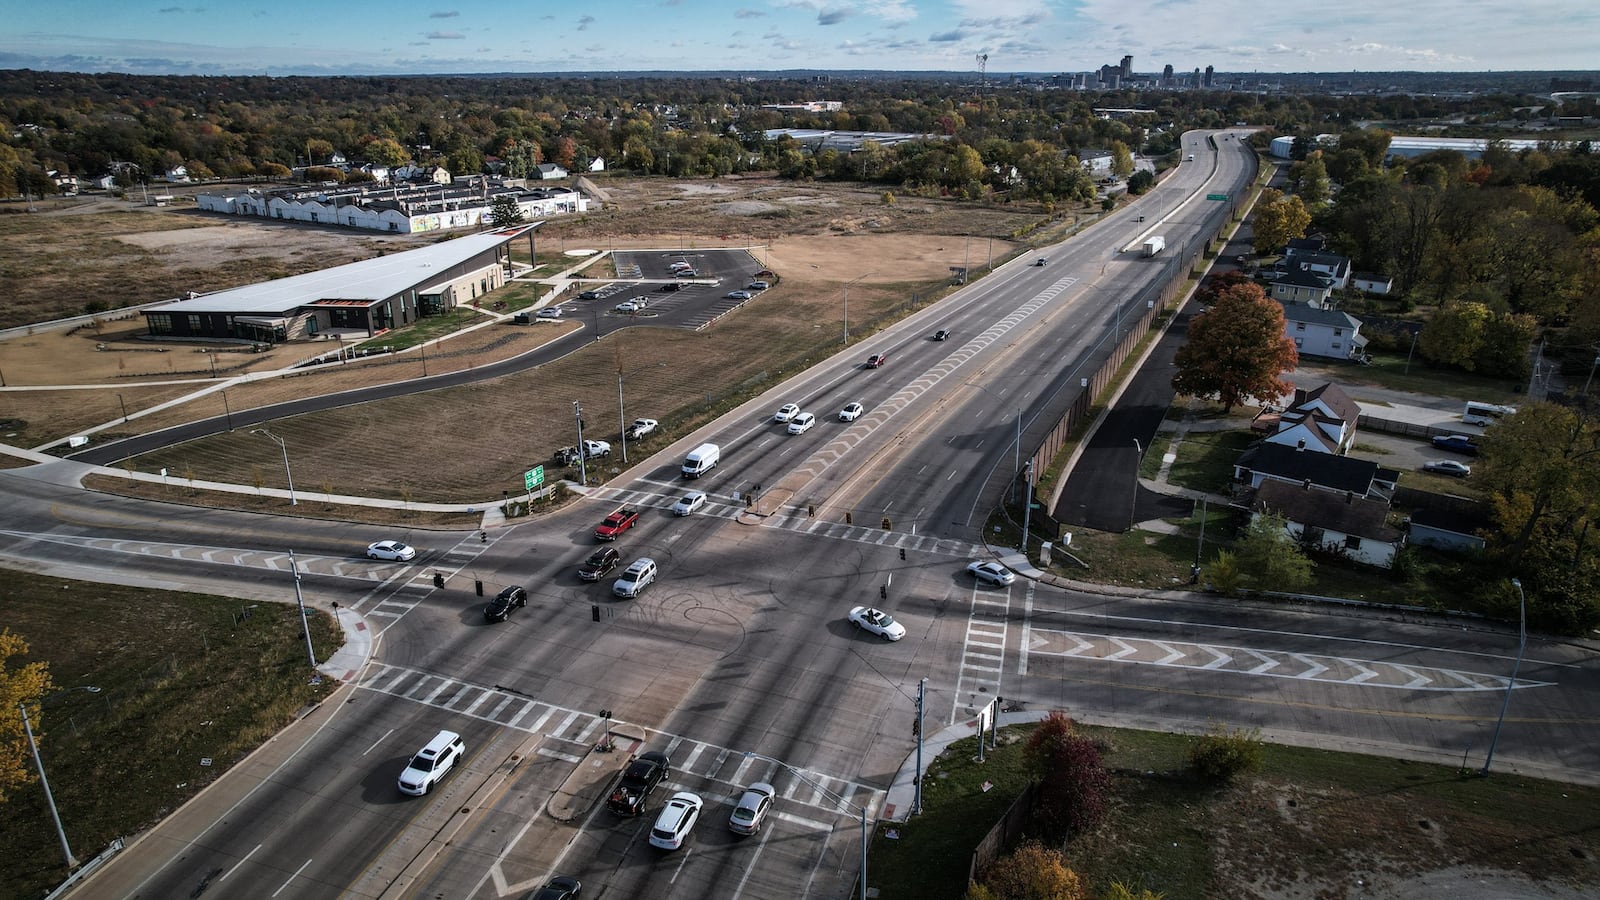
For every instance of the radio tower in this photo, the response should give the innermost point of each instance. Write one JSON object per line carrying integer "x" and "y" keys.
{"x": 983, "y": 69}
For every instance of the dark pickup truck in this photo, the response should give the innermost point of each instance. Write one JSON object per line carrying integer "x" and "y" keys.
{"x": 638, "y": 780}
{"x": 617, "y": 523}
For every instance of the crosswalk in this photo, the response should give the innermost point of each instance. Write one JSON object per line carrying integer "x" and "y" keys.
{"x": 572, "y": 732}
{"x": 796, "y": 519}
{"x": 1269, "y": 663}
{"x": 983, "y": 651}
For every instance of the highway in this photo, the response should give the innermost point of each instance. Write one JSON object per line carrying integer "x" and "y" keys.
{"x": 742, "y": 646}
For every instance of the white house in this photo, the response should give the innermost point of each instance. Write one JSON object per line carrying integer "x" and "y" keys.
{"x": 1346, "y": 524}
{"x": 1322, "y": 419}
{"x": 1330, "y": 333}
{"x": 1301, "y": 286}
{"x": 551, "y": 172}
{"x": 598, "y": 164}
{"x": 1372, "y": 283}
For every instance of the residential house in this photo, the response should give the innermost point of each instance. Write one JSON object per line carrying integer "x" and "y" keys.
{"x": 1330, "y": 333}
{"x": 1297, "y": 246}
{"x": 1348, "y": 524}
{"x": 1322, "y": 419}
{"x": 1445, "y": 529}
{"x": 177, "y": 175}
{"x": 598, "y": 164}
{"x": 1302, "y": 467}
{"x": 1372, "y": 283}
{"x": 1300, "y": 286}
{"x": 550, "y": 172}
{"x": 1096, "y": 162}
{"x": 1331, "y": 265}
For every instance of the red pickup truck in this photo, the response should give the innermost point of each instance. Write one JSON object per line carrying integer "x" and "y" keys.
{"x": 617, "y": 523}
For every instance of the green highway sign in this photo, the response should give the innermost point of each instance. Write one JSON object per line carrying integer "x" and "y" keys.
{"x": 1216, "y": 196}
{"x": 533, "y": 478}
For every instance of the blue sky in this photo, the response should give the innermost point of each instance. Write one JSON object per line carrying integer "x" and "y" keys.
{"x": 407, "y": 37}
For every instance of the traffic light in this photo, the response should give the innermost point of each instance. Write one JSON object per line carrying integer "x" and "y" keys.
{"x": 886, "y": 523}
{"x": 847, "y": 517}
{"x": 811, "y": 510}
{"x": 902, "y": 553}
{"x": 883, "y": 592}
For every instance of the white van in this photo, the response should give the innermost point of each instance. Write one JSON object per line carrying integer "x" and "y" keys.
{"x": 701, "y": 460}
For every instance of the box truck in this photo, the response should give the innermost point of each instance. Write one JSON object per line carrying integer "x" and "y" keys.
{"x": 1154, "y": 244}
{"x": 701, "y": 460}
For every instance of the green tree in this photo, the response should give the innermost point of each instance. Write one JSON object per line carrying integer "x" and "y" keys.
{"x": 1236, "y": 350}
{"x": 1141, "y": 181}
{"x": 1121, "y": 159}
{"x": 504, "y": 211}
{"x": 318, "y": 150}
{"x": 1120, "y": 891}
{"x": 1541, "y": 470}
{"x": 20, "y": 684}
{"x": 1454, "y": 336}
{"x": 1309, "y": 180}
{"x": 1034, "y": 872}
{"x": 385, "y": 152}
{"x": 1270, "y": 557}
{"x": 1278, "y": 219}
{"x": 1073, "y": 782}
{"x": 1504, "y": 350}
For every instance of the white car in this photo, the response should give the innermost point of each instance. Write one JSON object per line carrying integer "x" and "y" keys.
{"x": 752, "y": 808}
{"x": 551, "y": 312}
{"x": 640, "y": 428}
{"x": 391, "y": 550}
{"x": 878, "y": 622}
{"x": 690, "y": 502}
{"x": 992, "y": 572}
{"x": 851, "y": 412}
{"x": 638, "y": 576}
{"x": 676, "y": 821}
{"x": 786, "y": 412}
{"x": 632, "y": 306}
{"x": 802, "y": 423}
{"x": 431, "y": 763}
{"x": 737, "y": 295}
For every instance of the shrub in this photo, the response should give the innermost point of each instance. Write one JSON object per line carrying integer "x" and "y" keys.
{"x": 1222, "y": 754}
{"x": 1034, "y": 872}
{"x": 1073, "y": 782}
{"x": 1120, "y": 891}
{"x": 1225, "y": 576}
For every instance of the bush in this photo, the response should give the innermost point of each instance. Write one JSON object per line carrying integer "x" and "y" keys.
{"x": 1222, "y": 754}
{"x": 1073, "y": 781}
{"x": 1225, "y": 576}
{"x": 1034, "y": 872}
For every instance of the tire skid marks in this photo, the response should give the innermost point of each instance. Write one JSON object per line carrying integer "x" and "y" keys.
{"x": 799, "y": 521}
{"x": 514, "y": 710}
{"x": 1269, "y": 663}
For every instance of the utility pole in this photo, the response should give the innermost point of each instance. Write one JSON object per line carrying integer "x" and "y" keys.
{"x": 300, "y": 601}
{"x": 922, "y": 686}
{"x": 583, "y": 452}
{"x": 1027, "y": 505}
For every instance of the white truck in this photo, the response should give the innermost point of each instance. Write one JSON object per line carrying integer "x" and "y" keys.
{"x": 701, "y": 460}
{"x": 1154, "y": 244}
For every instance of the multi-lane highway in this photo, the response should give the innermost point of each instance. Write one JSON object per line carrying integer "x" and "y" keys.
{"x": 738, "y": 663}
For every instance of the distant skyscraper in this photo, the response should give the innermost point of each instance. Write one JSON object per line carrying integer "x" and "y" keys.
{"x": 1209, "y": 73}
{"x": 1127, "y": 68}
{"x": 1166, "y": 76}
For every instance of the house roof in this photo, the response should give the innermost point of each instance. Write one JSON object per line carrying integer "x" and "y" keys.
{"x": 1293, "y": 424}
{"x": 1330, "y": 260}
{"x": 1305, "y": 245}
{"x": 1333, "y": 397}
{"x": 1340, "y": 473}
{"x": 1311, "y": 315}
{"x": 365, "y": 281}
{"x": 1347, "y": 513}
{"x": 1450, "y": 520}
{"x": 1305, "y": 278}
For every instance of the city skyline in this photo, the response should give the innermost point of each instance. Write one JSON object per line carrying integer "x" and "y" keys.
{"x": 293, "y": 37}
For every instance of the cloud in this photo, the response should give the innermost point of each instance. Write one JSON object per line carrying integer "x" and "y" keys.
{"x": 584, "y": 22}
{"x": 833, "y": 16}
{"x": 946, "y": 36}
{"x": 449, "y": 14}
{"x": 445, "y": 36}
{"x": 170, "y": 9}
{"x": 748, "y": 14}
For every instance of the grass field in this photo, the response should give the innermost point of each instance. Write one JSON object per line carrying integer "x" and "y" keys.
{"x": 183, "y": 678}
{"x": 1311, "y": 824}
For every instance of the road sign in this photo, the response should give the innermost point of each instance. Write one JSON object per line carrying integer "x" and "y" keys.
{"x": 533, "y": 478}
{"x": 1216, "y": 196}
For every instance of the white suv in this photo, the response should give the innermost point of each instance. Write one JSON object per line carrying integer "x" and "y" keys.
{"x": 676, "y": 821}
{"x": 432, "y": 763}
{"x": 638, "y": 576}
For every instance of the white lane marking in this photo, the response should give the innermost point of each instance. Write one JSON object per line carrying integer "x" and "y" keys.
{"x": 241, "y": 862}
{"x": 292, "y": 878}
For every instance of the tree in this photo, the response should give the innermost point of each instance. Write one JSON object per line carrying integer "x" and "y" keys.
{"x": 1236, "y": 350}
{"x": 1309, "y": 179}
{"x": 1541, "y": 470}
{"x": 385, "y": 152}
{"x": 1141, "y": 181}
{"x": 1278, "y": 219}
{"x": 1121, "y": 159}
{"x": 1073, "y": 782}
{"x": 1034, "y": 872}
{"x": 503, "y": 211}
{"x": 316, "y": 149}
{"x": 1270, "y": 557}
{"x": 19, "y": 685}
{"x": 1454, "y": 335}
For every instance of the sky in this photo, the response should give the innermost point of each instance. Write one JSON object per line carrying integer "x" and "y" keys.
{"x": 298, "y": 37}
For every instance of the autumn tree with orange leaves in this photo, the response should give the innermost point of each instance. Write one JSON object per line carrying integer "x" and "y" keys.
{"x": 1237, "y": 350}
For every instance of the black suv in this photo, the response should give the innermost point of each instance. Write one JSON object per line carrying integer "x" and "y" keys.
{"x": 499, "y": 609}
{"x": 638, "y": 780}
{"x": 599, "y": 563}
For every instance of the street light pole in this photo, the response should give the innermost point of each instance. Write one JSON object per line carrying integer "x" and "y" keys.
{"x": 286, "y": 472}
{"x": 49, "y": 798}
{"x": 861, "y": 809}
{"x": 622, "y": 417}
{"x": 300, "y": 601}
{"x": 1027, "y": 505}
{"x": 847, "y": 304}
{"x": 1522, "y": 644}
{"x": 1133, "y": 499}
{"x": 583, "y": 452}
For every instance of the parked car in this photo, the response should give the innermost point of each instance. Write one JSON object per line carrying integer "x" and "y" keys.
{"x": 589, "y": 295}
{"x": 599, "y": 563}
{"x": 751, "y": 810}
{"x": 876, "y": 360}
{"x": 676, "y": 820}
{"x": 593, "y": 449}
{"x": 1447, "y": 467}
{"x": 431, "y": 763}
{"x": 638, "y": 576}
{"x": 786, "y": 412}
{"x": 551, "y": 312}
{"x": 561, "y": 887}
{"x": 686, "y": 273}
{"x": 689, "y": 503}
{"x": 499, "y": 609}
{"x": 640, "y": 428}
{"x": 738, "y": 295}
{"x": 680, "y": 266}
{"x": 851, "y": 412}
{"x": 632, "y": 306}
{"x": 1456, "y": 443}
{"x": 802, "y": 423}
{"x": 941, "y": 334}
{"x": 391, "y": 550}
{"x": 992, "y": 572}
{"x": 757, "y": 286}
{"x": 877, "y": 622}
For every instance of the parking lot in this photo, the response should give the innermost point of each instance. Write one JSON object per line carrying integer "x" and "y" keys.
{"x": 672, "y": 288}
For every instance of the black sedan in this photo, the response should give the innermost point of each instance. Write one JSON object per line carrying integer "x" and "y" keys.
{"x": 562, "y": 887}
{"x": 499, "y": 609}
